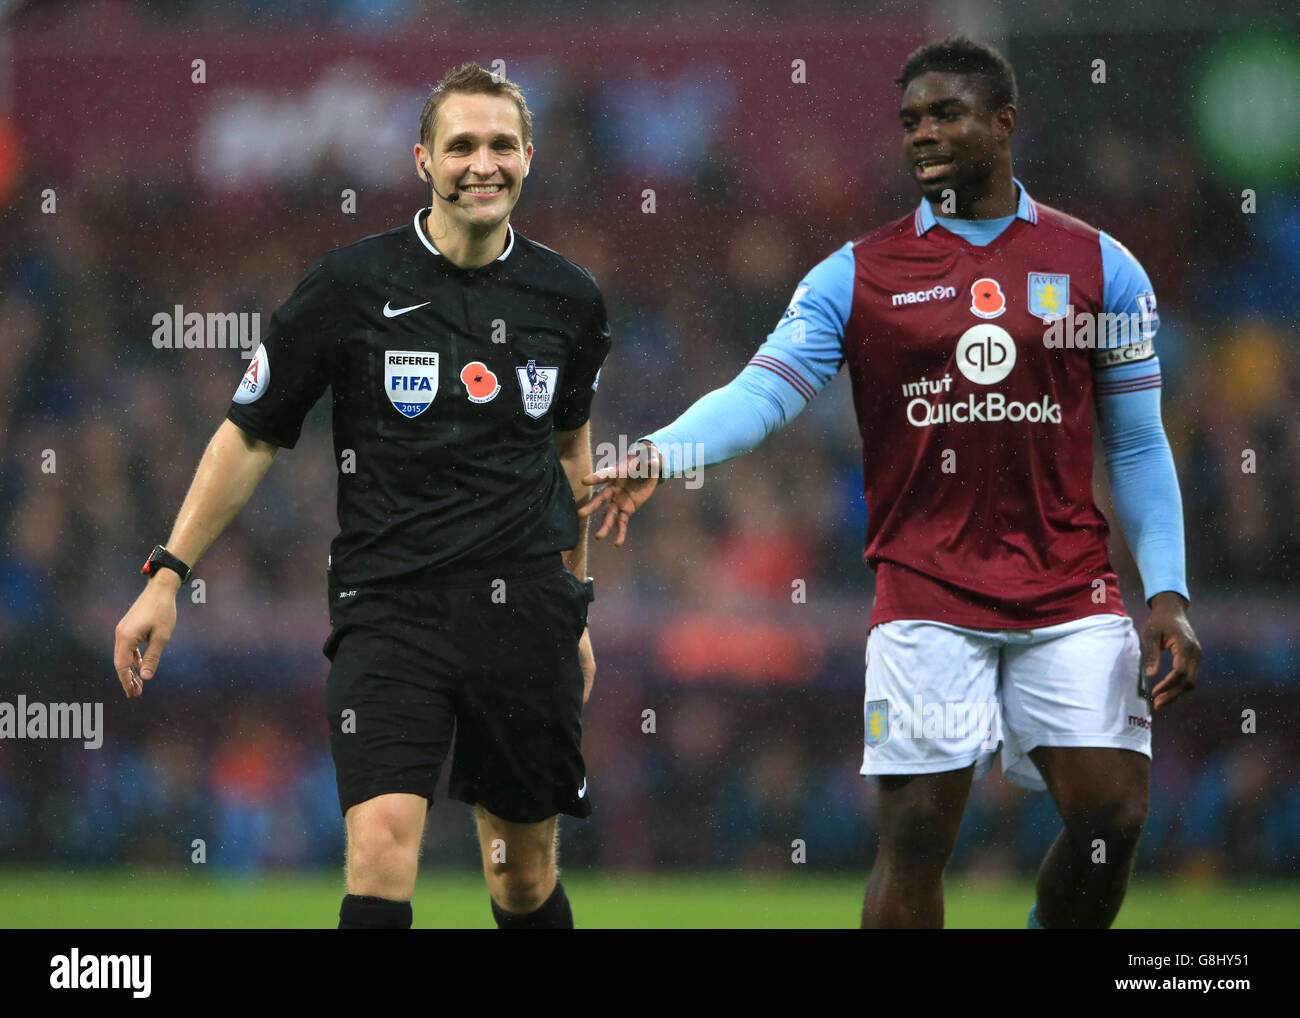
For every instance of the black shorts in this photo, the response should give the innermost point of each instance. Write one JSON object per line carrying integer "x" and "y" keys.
{"x": 494, "y": 659}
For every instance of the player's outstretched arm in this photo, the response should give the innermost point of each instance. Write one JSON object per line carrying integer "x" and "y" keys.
{"x": 624, "y": 488}
{"x": 719, "y": 426}
{"x": 230, "y": 469}
{"x": 802, "y": 354}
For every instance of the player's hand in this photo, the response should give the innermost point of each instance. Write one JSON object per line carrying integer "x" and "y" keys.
{"x": 1167, "y": 628}
{"x": 151, "y": 621}
{"x": 588, "y": 664}
{"x": 624, "y": 488}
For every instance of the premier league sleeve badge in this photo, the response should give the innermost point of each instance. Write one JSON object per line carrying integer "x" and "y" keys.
{"x": 537, "y": 386}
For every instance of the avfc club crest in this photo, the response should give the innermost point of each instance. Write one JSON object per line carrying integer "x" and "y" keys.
{"x": 410, "y": 380}
{"x": 1049, "y": 295}
{"x": 877, "y": 719}
{"x": 877, "y": 712}
{"x": 537, "y": 386}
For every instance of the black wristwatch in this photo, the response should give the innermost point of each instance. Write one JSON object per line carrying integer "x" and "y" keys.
{"x": 590, "y": 587}
{"x": 161, "y": 558}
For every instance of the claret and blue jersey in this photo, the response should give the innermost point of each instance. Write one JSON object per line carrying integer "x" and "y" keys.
{"x": 982, "y": 354}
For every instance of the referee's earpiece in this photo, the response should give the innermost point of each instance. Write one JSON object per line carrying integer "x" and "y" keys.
{"x": 450, "y": 199}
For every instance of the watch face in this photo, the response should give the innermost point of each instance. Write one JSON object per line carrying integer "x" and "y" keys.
{"x": 161, "y": 558}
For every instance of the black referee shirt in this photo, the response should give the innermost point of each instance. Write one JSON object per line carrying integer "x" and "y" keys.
{"x": 447, "y": 384}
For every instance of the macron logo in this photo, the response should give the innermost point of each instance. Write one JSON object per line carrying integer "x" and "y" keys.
{"x": 391, "y": 312}
{"x": 923, "y": 296}
{"x": 102, "y": 972}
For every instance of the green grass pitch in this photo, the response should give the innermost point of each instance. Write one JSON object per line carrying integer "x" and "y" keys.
{"x": 148, "y": 899}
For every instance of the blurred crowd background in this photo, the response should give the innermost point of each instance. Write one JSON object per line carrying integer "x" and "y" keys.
{"x": 217, "y": 194}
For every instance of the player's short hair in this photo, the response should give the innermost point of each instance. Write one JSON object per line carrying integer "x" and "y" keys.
{"x": 958, "y": 54}
{"x": 475, "y": 80}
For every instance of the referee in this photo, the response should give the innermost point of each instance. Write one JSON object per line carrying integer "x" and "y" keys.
{"x": 462, "y": 358}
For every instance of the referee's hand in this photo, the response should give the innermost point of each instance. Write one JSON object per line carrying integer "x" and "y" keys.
{"x": 624, "y": 489}
{"x": 151, "y": 621}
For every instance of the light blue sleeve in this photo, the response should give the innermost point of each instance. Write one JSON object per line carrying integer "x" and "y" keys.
{"x": 1125, "y": 286}
{"x": 1126, "y": 377}
{"x": 801, "y": 355}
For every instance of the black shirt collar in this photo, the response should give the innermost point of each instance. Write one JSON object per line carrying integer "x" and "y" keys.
{"x": 423, "y": 234}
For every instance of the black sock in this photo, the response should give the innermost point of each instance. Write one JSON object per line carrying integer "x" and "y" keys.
{"x": 362, "y": 912}
{"x": 554, "y": 914}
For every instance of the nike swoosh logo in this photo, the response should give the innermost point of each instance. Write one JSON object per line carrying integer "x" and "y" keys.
{"x": 583, "y": 790}
{"x": 390, "y": 312}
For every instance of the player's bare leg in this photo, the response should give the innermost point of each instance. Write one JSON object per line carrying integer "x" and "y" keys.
{"x": 1102, "y": 797}
{"x": 519, "y": 864}
{"x": 920, "y": 815}
{"x": 384, "y": 845}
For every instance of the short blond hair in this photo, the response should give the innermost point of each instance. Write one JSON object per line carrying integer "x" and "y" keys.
{"x": 472, "y": 79}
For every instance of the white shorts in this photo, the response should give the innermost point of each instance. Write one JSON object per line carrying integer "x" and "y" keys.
{"x": 942, "y": 697}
